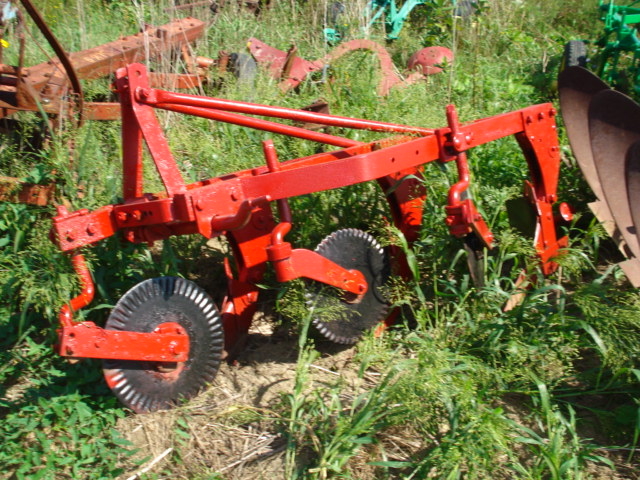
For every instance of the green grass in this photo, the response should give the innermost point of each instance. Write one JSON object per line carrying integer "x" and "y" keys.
{"x": 459, "y": 388}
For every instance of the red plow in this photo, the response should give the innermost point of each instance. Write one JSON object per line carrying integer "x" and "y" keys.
{"x": 165, "y": 338}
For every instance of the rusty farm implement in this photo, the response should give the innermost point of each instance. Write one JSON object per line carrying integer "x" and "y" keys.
{"x": 165, "y": 338}
{"x": 603, "y": 126}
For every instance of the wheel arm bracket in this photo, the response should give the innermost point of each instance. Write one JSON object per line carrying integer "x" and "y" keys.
{"x": 167, "y": 343}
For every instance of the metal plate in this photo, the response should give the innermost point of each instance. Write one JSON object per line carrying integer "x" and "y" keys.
{"x": 475, "y": 259}
{"x": 149, "y": 386}
{"x": 632, "y": 175}
{"x": 614, "y": 125}
{"x": 338, "y": 318}
{"x": 576, "y": 88}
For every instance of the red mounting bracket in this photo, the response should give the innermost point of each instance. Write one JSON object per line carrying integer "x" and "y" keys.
{"x": 167, "y": 343}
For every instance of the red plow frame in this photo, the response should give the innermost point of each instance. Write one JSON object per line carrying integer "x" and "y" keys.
{"x": 238, "y": 204}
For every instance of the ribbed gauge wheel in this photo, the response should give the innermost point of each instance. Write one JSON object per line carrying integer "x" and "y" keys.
{"x": 339, "y": 316}
{"x": 149, "y": 386}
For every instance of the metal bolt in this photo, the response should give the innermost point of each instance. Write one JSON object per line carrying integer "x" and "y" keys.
{"x": 91, "y": 230}
{"x": 122, "y": 216}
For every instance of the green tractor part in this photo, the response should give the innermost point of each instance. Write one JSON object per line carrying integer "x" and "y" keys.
{"x": 389, "y": 12}
{"x": 616, "y": 56}
{"x": 394, "y": 17}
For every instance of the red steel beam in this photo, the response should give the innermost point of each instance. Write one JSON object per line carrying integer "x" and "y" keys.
{"x": 164, "y": 99}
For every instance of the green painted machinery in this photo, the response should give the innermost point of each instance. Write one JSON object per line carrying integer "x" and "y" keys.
{"x": 389, "y": 12}
{"x": 615, "y": 55}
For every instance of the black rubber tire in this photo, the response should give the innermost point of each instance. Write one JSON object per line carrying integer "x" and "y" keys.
{"x": 142, "y": 385}
{"x": 243, "y": 66}
{"x": 575, "y": 54}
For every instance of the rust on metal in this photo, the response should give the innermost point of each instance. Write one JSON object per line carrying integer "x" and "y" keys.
{"x": 292, "y": 69}
{"x": 430, "y": 60}
{"x": 63, "y": 58}
{"x": 614, "y": 126}
{"x": 319, "y": 106}
{"x": 46, "y": 83}
{"x": 17, "y": 191}
{"x": 603, "y": 127}
{"x": 576, "y": 87}
{"x": 390, "y": 78}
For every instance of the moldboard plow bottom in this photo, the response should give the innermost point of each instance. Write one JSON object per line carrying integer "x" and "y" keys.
{"x": 165, "y": 338}
{"x": 603, "y": 126}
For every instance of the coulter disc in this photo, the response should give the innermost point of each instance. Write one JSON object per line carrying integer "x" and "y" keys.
{"x": 149, "y": 386}
{"x": 337, "y": 316}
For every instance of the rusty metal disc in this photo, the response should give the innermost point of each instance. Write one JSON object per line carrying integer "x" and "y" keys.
{"x": 338, "y": 318}
{"x": 430, "y": 60}
{"x": 151, "y": 386}
{"x": 614, "y": 126}
{"x": 576, "y": 88}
